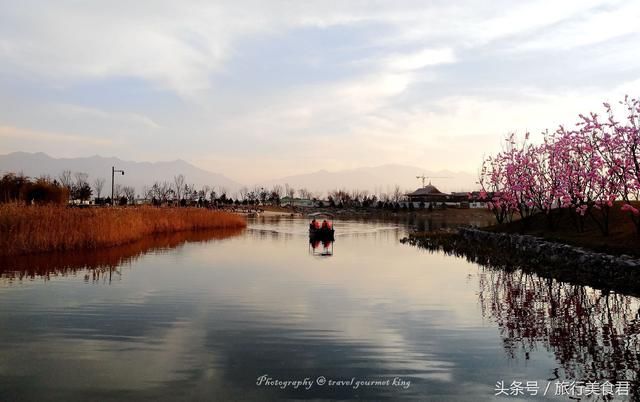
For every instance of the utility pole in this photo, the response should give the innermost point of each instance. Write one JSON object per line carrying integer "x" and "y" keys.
{"x": 113, "y": 172}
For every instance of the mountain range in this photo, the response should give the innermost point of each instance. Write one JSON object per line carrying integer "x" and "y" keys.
{"x": 139, "y": 174}
{"x": 379, "y": 179}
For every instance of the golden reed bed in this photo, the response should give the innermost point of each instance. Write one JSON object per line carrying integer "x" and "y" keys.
{"x": 32, "y": 229}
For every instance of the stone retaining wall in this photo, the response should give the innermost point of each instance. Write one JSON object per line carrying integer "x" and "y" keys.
{"x": 545, "y": 256}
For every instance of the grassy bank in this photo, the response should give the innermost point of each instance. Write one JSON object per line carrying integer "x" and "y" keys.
{"x": 622, "y": 238}
{"x": 33, "y": 229}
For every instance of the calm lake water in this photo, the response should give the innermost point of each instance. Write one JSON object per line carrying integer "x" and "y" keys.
{"x": 207, "y": 317}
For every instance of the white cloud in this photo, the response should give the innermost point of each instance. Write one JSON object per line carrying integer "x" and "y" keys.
{"x": 78, "y": 111}
{"x": 588, "y": 28}
{"x": 422, "y": 58}
{"x": 387, "y": 106}
{"x": 176, "y": 48}
{"x": 48, "y": 136}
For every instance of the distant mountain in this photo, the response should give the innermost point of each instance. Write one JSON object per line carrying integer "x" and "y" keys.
{"x": 380, "y": 178}
{"x": 137, "y": 174}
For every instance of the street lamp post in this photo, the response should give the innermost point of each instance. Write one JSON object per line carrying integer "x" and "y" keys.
{"x": 113, "y": 172}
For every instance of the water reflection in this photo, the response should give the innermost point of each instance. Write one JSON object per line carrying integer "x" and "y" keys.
{"x": 321, "y": 248}
{"x": 593, "y": 334}
{"x": 426, "y": 222}
{"x": 204, "y": 320}
{"x": 103, "y": 263}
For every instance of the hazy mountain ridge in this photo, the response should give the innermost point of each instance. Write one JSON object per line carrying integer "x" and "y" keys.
{"x": 379, "y": 179}
{"x": 137, "y": 174}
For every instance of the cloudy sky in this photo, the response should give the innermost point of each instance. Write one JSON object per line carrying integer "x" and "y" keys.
{"x": 264, "y": 89}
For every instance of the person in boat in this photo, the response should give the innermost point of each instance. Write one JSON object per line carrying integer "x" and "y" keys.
{"x": 326, "y": 225}
{"x": 314, "y": 224}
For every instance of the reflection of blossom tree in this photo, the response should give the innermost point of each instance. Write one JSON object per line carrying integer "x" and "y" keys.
{"x": 593, "y": 334}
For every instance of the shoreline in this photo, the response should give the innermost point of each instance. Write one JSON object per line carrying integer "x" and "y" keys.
{"x": 455, "y": 216}
{"x": 510, "y": 251}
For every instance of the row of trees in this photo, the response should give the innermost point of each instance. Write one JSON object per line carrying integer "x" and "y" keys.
{"x": 76, "y": 186}
{"x": 44, "y": 189}
{"x": 583, "y": 170}
{"x": 362, "y": 198}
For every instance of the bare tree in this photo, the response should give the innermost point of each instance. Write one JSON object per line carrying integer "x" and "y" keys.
{"x": 98, "y": 185}
{"x": 277, "y": 190}
{"x": 204, "y": 192}
{"x": 397, "y": 194}
{"x": 340, "y": 197}
{"x": 254, "y": 195}
{"x": 147, "y": 193}
{"x": 161, "y": 191}
{"x": 243, "y": 192}
{"x": 190, "y": 192}
{"x": 80, "y": 189}
{"x": 305, "y": 193}
{"x": 263, "y": 194}
{"x": 356, "y": 195}
{"x": 65, "y": 179}
{"x": 289, "y": 191}
{"x": 130, "y": 193}
{"x": 117, "y": 191}
{"x": 178, "y": 181}
{"x": 81, "y": 178}
{"x": 276, "y": 194}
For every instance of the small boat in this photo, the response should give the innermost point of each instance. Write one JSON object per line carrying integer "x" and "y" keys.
{"x": 321, "y": 231}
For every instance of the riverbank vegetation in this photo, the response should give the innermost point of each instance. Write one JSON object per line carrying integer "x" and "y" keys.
{"x": 31, "y": 229}
{"x": 578, "y": 177}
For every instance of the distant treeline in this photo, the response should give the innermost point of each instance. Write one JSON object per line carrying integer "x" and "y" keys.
{"x": 76, "y": 187}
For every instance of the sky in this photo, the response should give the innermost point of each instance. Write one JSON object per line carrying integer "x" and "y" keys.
{"x": 264, "y": 89}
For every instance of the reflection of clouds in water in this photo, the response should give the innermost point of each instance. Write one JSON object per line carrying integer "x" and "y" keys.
{"x": 148, "y": 347}
{"x": 207, "y": 319}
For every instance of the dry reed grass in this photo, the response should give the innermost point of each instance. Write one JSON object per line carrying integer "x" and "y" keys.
{"x": 31, "y": 229}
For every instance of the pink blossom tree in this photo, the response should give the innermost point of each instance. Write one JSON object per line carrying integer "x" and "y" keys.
{"x": 581, "y": 170}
